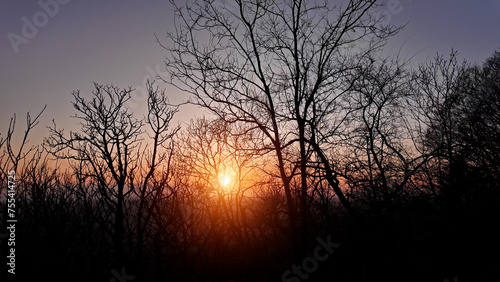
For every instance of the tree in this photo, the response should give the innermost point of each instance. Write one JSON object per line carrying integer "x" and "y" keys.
{"x": 382, "y": 150}
{"x": 221, "y": 165}
{"x": 481, "y": 132}
{"x": 440, "y": 89}
{"x": 109, "y": 144}
{"x": 154, "y": 169}
{"x": 11, "y": 157}
{"x": 108, "y": 137}
{"x": 13, "y": 160}
{"x": 280, "y": 67}
{"x": 459, "y": 106}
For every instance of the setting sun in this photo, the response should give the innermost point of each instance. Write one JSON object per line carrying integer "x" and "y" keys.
{"x": 224, "y": 180}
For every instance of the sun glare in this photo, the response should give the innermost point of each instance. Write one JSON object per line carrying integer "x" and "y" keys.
{"x": 224, "y": 180}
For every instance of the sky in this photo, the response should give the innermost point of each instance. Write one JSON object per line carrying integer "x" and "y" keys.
{"x": 75, "y": 43}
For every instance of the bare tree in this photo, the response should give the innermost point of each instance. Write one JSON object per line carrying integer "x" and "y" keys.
{"x": 154, "y": 170}
{"x": 12, "y": 157}
{"x": 383, "y": 150}
{"x": 130, "y": 172}
{"x": 222, "y": 163}
{"x": 278, "y": 66}
{"x": 16, "y": 153}
{"x": 480, "y": 131}
{"x": 440, "y": 89}
{"x": 108, "y": 137}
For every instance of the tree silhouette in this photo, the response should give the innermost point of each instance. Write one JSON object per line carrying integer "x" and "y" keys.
{"x": 108, "y": 137}
{"x": 279, "y": 66}
{"x": 109, "y": 145}
{"x": 316, "y": 137}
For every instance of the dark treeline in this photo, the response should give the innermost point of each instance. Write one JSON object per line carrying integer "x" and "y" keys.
{"x": 316, "y": 138}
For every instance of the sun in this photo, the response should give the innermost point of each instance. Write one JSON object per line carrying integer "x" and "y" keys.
{"x": 224, "y": 180}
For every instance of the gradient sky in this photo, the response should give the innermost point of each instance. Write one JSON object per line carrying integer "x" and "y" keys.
{"x": 112, "y": 41}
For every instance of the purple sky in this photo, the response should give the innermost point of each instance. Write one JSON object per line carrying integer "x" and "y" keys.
{"x": 112, "y": 41}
